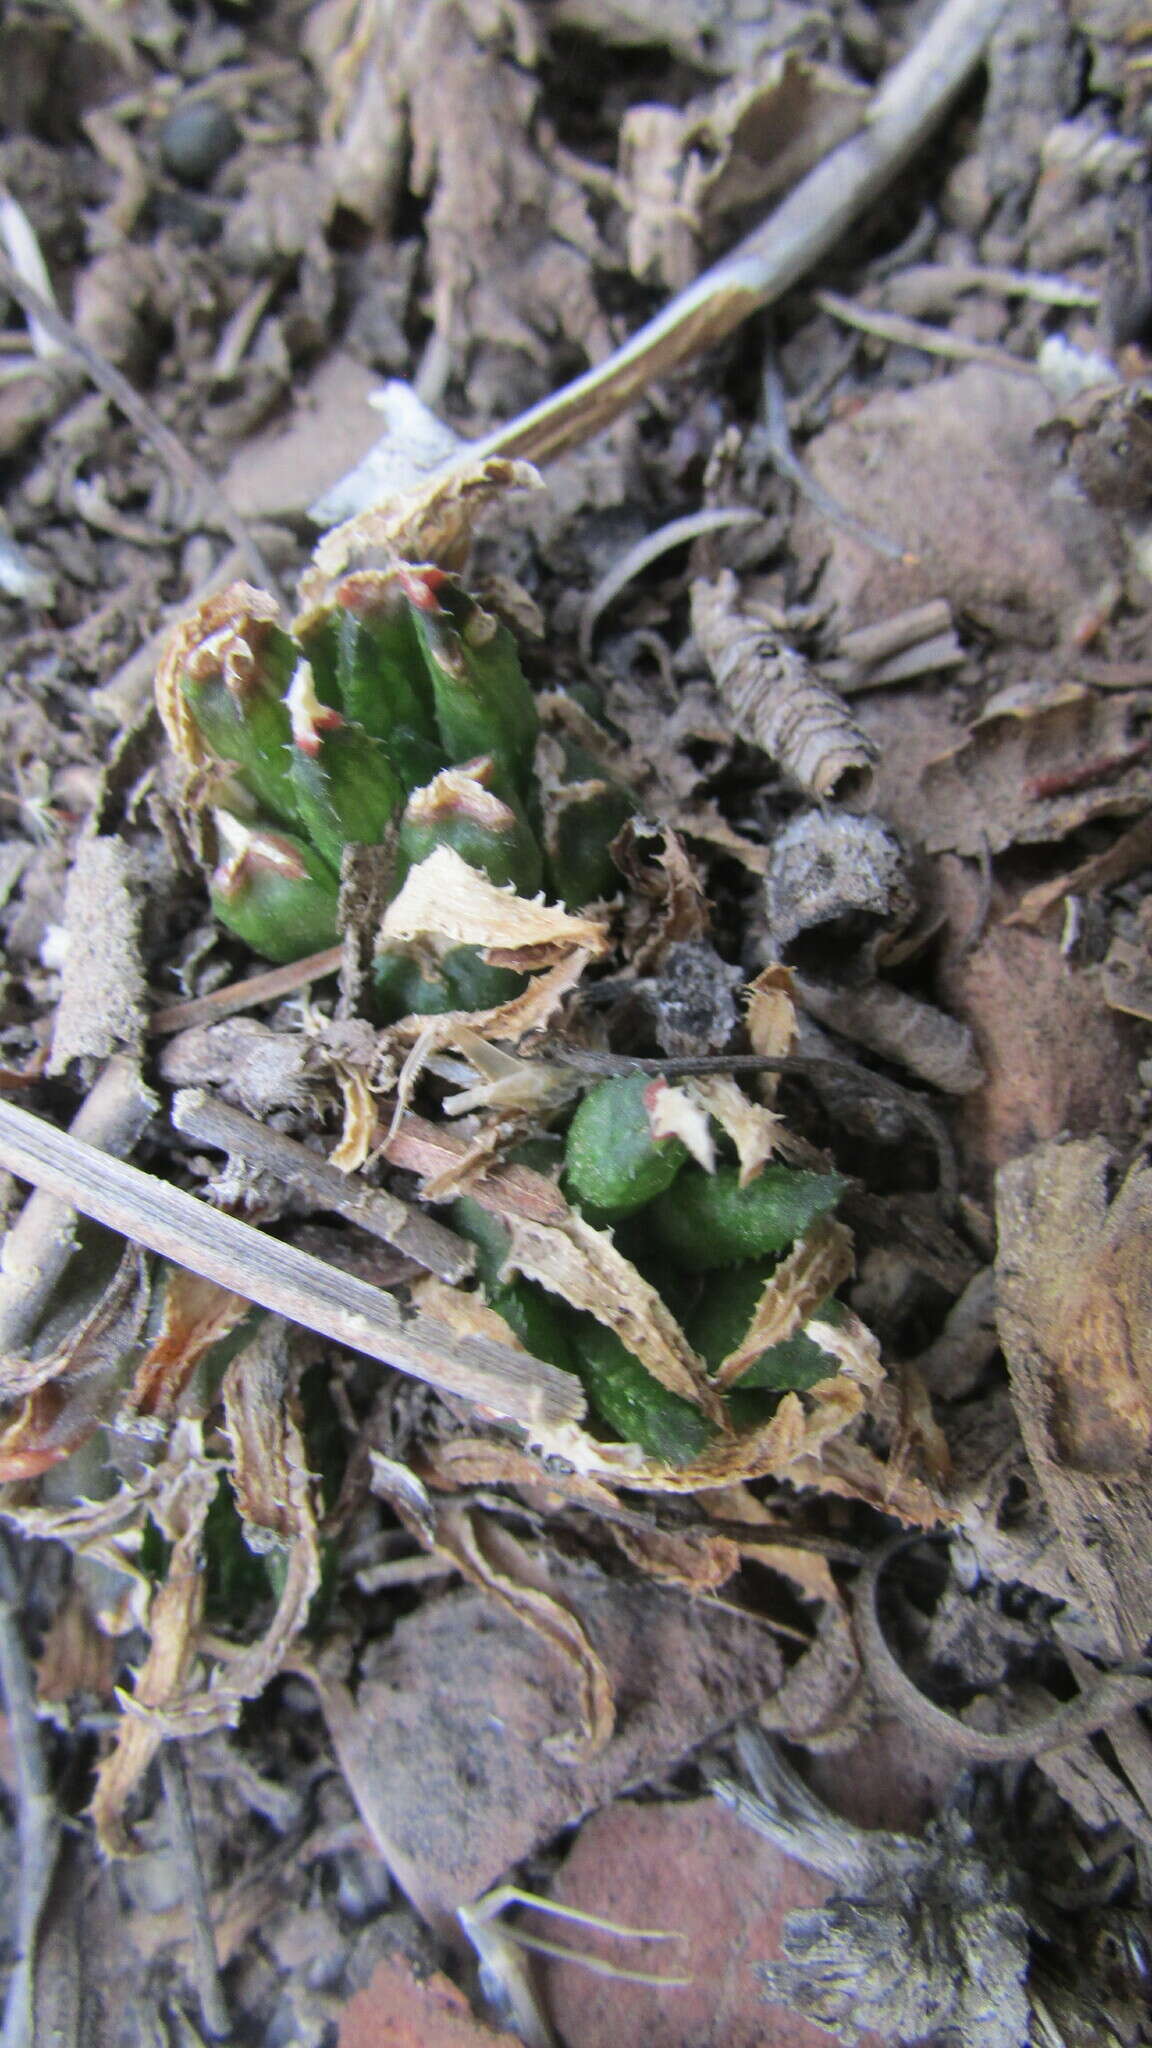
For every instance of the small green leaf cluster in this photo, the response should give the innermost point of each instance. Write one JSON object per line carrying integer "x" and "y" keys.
{"x": 395, "y": 712}
{"x": 705, "y": 1243}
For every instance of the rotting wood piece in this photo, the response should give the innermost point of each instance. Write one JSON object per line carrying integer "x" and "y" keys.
{"x": 1074, "y": 1286}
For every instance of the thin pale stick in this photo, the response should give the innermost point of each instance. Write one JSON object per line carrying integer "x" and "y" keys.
{"x": 244, "y": 995}
{"x": 37, "y": 1815}
{"x": 935, "y": 341}
{"x": 909, "y": 105}
{"x": 278, "y": 1277}
{"x": 714, "y": 519}
{"x": 186, "y": 1849}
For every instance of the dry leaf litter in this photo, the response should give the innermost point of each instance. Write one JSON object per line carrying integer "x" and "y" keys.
{"x": 424, "y": 1518}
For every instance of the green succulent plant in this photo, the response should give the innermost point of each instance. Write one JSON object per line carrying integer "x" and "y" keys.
{"x": 617, "y": 1172}
{"x": 396, "y": 711}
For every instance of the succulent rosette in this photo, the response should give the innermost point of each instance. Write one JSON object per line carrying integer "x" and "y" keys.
{"x": 395, "y": 712}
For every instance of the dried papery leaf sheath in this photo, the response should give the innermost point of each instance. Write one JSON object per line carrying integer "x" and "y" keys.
{"x": 775, "y": 699}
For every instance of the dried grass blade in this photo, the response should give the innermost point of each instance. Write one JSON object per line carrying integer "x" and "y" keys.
{"x": 278, "y": 1277}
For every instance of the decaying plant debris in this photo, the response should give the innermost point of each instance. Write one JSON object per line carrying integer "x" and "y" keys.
{"x": 575, "y": 1044}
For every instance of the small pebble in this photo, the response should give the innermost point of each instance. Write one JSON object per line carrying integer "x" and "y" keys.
{"x": 196, "y": 139}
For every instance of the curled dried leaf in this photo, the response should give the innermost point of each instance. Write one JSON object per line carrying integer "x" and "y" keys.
{"x": 792, "y": 1445}
{"x": 197, "y": 1314}
{"x": 775, "y": 698}
{"x": 359, "y": 1121}
{"x": 492, "y": 1558}
{"x": 511, "y": 1021}
{"x": 817, "y": 1264}
{"x": 449, "y": 901}
{"x": 186, "y": 1488}
{"x": 584, "y": 1267}
{"x": 99, "y": 1342}
{"x": 433, "y": 522}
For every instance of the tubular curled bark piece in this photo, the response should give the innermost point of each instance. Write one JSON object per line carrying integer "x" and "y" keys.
{"x": 776, "y": 700}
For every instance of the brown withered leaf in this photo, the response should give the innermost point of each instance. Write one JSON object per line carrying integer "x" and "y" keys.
{"x": 1074, "y": 1289}
{"x": 273, "y": 1487}
{"x": 46, "y": 1428}
{"x": 444, "y": 899}
{"x": 852, "y": 1471}
{"x": 691, "y": 1558}
{"x": 1038, "y": 764}
{"x": 68, "y": 1392}
{"x": 667, "y": 902}
{"x": 447, "y": 1745}
{"x": 775, "y": 698}
{"x": 495, "y": 1561}
{"x": 583, "y": 1266}
{"x": 1128, "y": 854}
{"x": 108, "y": 1532}
{"x": 690, "y": 177}
{"x": 75, "y": 1656}
{"x": 99, "y": 1343}
{"x": 197, "y": 1313}
{"x": 185, "y": 1489}
{"x": 442, "y": 95}
{"x": 664, "y": 721}
{"x": 953, "y": 469}
{"x": 817, "y": 1264}
{"x": 432, "y": 522}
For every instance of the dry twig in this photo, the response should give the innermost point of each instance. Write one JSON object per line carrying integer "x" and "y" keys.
{"x": 265, "y": 987}
{"x": 168, "y": 446}
{"x": 908, "y": 106}
{"x": 420, "y": 1237}
{"x": 278, "y": 1277}
{"x": 37, "y": 1817}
